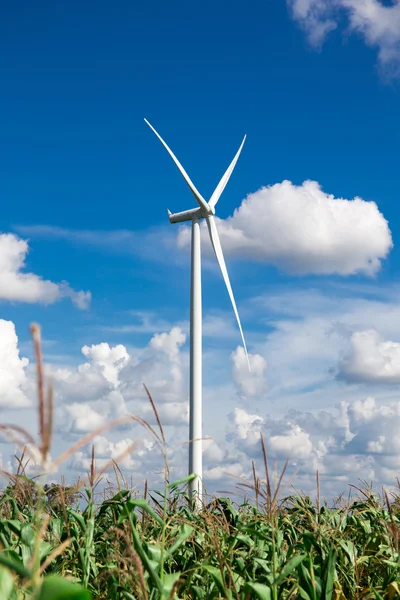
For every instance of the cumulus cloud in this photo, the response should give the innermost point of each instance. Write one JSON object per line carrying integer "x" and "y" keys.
{"x": 169, "y": 344}
{"x": 137, "y": 458}
{"x": 235, "y": 470}
{"x": 353, "y": 440}
{"x": 302, "y": 229}
{"x": 246, "y": 430}
{"x": 83, "y": 417}
{"x": 375, "y": 426}
{"x": 285, "y": 437}
{"x": 17, "y": 285}
{"x": 95, "y": 379}
{"x": 299, "y": 229}
{"x": 85, "y": 383}
{"x": 375, "y": 21}
{"x": 306, "y": 333}
{"x": 164, "y": 349}
{"x": 315, "y": 16}
{"x": 303, "y": 438}
{"x": 295, "y": 443}
{"x": 171, "y": 413}
{"x": 109, "y": 360}
{"x": 106, "y": 450}
{"x": 13, "y": 378}
{"x": 110, "y": 383}
{"x": 213, "y": 452}
{"x": 371, "y": 359}
{"x": 250, "y": 383}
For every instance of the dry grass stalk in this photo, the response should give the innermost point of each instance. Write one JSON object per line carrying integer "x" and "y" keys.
{"x": 264, "y": 451}
{"x": 256, "y": 482}
{"x": 45, "y": 400}
{"x": 92, "y": 471}
{"x": 119, "y": 476}
{"x": 270, "y": 498}
{"x": 153, "y": 406}
{"x": 25, "y": 438}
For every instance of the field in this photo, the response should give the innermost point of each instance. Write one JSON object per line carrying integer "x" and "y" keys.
{"x": 125, "y": 548}
{"x": 61, "y": 542}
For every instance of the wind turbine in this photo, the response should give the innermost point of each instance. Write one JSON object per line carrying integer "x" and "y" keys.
{"x": 205, "y": 210}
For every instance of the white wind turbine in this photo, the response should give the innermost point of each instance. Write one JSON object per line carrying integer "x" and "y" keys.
{"x": 206, "y": 210}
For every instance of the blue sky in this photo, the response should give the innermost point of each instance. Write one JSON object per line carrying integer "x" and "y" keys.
{"x": 85, "y": 186}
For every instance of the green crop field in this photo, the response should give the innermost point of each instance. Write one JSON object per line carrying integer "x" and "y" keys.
{"x": 156, "y": 547}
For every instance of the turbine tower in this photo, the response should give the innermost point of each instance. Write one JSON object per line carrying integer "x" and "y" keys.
{"x": 205, "y": 210}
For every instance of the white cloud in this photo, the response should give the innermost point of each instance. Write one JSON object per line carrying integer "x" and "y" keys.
{"x": 354, "y": 440}
{"x": 247, "y": 430}
{"x": 83, "y": 417}
{"x": 371, "y": 359}
{"x": 171, "y": 413}
{"x": 81, "y": 299}
{"x": 307, "y": 337}
{"x": 169, "y": 343}
{"x": 100, "y": 376}
{"x": 110, "y": 360}
{"x": 13, "y": 379}
{"x": 299, "y": 229}
{"x": 105, "y": 451}
{"x": 295, "y": 443}
{"x": 16, "y": 285}
{"x": 233, "y": 471}
{"x": 166, "y": 346}
{"x": 213, "y": 452}
{"x": 307, "y": 332}
{"x": 110, "y": 384}
{"x": 314, "y": 16}
{"x": 137, "y": 457}
{"x": 89, "y": 395}
{"x": 86, "y": 382}
{"x": 302, "y": 229}
{"x": 375, "y": 426}
{"x": 377, "y": 23}
{"x": 302, "y": 334}
{"x": 250, "y": 383}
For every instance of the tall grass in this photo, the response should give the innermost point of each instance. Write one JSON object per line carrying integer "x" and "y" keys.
{"x": 60, "y": 542}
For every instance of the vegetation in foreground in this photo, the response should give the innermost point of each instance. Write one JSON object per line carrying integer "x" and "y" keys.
{"x": 124, "y": 548}
{"x": 61, "y": 543}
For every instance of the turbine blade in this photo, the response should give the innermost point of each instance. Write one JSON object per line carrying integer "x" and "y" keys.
{"x": 221, "y": 186}
{"x": 193, "y": 189}
{"x": 216, "y": 244}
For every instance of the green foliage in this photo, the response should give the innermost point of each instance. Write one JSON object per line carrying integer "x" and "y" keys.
{"x": 134, "y": 549}
{"x": 57, "y": 588}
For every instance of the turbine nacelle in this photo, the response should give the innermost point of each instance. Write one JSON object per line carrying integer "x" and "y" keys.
{"x": 185, "y": 215}
{"x": 189, "y": 215}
